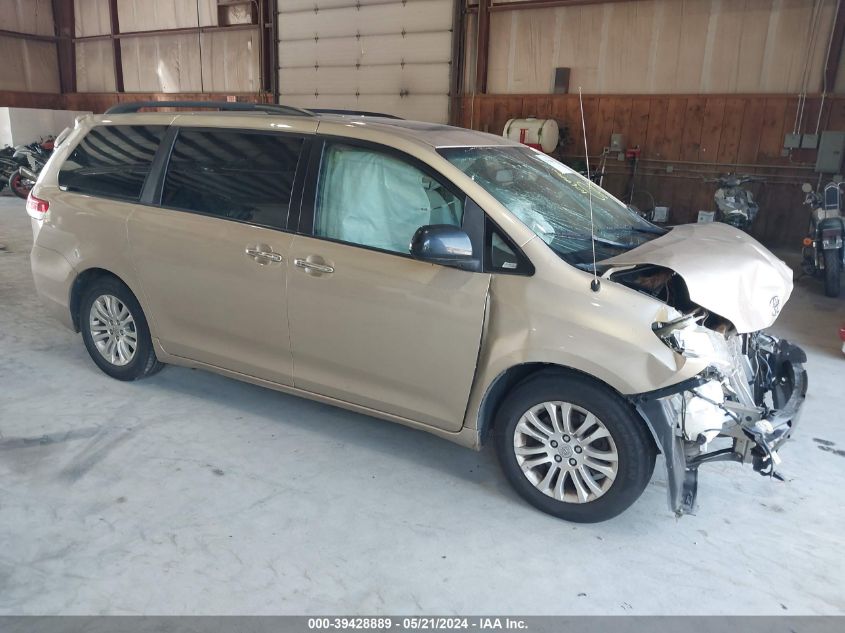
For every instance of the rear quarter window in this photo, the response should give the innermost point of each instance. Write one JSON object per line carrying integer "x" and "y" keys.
{"x": 112, "y": 161}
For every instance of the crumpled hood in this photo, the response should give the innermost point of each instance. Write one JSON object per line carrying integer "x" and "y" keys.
{"x": 726, "y": 271}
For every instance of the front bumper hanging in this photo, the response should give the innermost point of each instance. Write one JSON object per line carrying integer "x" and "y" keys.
{"x": 758, "y": 424}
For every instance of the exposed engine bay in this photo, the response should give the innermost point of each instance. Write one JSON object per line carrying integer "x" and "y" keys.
{"x": 669, "y": 287}
{"x": 742, "y": 407}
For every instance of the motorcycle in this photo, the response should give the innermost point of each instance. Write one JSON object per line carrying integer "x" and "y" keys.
{"x": 823, "y": 252}
{"x": 30, "y": 159}
{"x": 8, "y": 165}
{"x": 735, "y": 205}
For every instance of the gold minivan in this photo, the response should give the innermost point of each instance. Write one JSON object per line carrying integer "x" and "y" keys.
{"x": 441, "y": 278}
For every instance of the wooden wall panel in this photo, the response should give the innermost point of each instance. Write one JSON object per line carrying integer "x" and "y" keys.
{"x": 638, "y": 127}
{"x": 835, "y": 110}
{"x": 749, "y": 134}
{"x": 656, "y": 126}
{"x": 711, "y": 129}
{"x": 693, "y": 123}
{"x": 606, "y": 117}
{"x": 771, "y": 134}
{"x": 731, "y": 128}
{"x": 685, "y": 140}
{"x": 671, "y": 142}
{"x": 12, "y": 99}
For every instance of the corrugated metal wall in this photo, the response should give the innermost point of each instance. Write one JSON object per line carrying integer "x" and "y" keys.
{"x": 380, "y": 55}
{"x": 28, "y": 65}
{"x": 659, "y": 46}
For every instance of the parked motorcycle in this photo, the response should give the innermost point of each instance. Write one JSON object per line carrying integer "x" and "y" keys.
{"x": 735, "y": 205}
{"x": 823, "y": 252}
{"x": 8, "y": 165}
{"x": 30, "y": 159}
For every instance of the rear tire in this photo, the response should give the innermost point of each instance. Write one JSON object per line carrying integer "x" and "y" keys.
{"x": 555, "y": 465}
{"x": 115, "y": 331}
{"x": 832, "y": 272}
{"x": 16, "y": 184}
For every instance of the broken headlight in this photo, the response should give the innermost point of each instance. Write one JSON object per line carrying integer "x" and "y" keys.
{"x": 687, "y": 337}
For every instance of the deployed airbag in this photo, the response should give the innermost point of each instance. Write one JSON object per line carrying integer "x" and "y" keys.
{"x": 371, "y": 198}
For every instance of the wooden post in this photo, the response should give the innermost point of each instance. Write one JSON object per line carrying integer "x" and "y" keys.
{"x": 482, "y": 45}
{"x": 115, "y": 41}
{"x": 63, "y": 19}
{"x": 269, "y": 72}
{"x": 456, "y": 71}
{"x": 831, "y": 66}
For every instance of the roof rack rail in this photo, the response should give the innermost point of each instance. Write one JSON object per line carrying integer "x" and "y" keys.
{"x": 353, "y": 113}
{"x": 238, "y": 106}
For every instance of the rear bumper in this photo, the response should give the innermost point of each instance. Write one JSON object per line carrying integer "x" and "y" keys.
{"x": 757, "y": 432}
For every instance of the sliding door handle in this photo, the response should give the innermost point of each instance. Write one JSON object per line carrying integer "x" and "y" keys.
{"x": 313, "y": 267}
{"x": 263, "y": 255}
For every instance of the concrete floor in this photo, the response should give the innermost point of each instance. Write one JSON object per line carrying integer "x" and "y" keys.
{"x": 189, "y": 493}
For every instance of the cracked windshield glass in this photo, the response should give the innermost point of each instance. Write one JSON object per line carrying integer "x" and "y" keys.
{"x": 553, "y": 200}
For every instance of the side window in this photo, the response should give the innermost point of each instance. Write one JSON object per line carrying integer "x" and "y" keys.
{"x": 501, "y": 255}
{"x": 112, "y": 161}
{"x": 375, "y": 199}
{"x": 239, "y": 175}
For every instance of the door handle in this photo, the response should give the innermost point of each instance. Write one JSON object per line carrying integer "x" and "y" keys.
{"x": 312, "y": 266}
{"x": 261, "y": 254}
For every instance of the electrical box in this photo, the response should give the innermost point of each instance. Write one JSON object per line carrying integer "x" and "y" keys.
{"x": 809, "y": 141}
{"x": 617, "y": 143}
{"x": 792, "y": 141}
{"x": 831, "y": 150}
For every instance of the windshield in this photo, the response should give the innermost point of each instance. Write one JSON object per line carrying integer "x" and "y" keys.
{"x": 554, "y": 201}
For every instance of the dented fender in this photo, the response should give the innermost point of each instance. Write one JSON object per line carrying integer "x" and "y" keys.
{"x": 556, "y": 320}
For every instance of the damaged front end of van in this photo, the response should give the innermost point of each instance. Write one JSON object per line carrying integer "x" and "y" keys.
{"x": 725, "y": 290}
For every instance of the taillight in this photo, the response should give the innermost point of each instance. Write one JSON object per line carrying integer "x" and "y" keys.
{"x": 36, "y": 207}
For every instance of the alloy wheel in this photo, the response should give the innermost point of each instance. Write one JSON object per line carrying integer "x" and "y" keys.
{"x": 566, "y": 452}
{"x": 113, "y": 330}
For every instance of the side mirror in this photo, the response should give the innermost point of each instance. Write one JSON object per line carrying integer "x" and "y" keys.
{"x": 444, "y": 244}
{"x": 806, "y": 187}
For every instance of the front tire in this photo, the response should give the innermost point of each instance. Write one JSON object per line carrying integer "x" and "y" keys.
{"x": 573, "y": 448}
{"x": 832, "y": 272}
{"x": 115, "y": 331}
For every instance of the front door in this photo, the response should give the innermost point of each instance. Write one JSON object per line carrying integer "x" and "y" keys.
{"x": 369, "y": 324}
{"x": 212, "y": 257}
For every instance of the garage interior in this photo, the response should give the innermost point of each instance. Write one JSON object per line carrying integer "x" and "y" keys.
{"x": 190, "y": 493}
